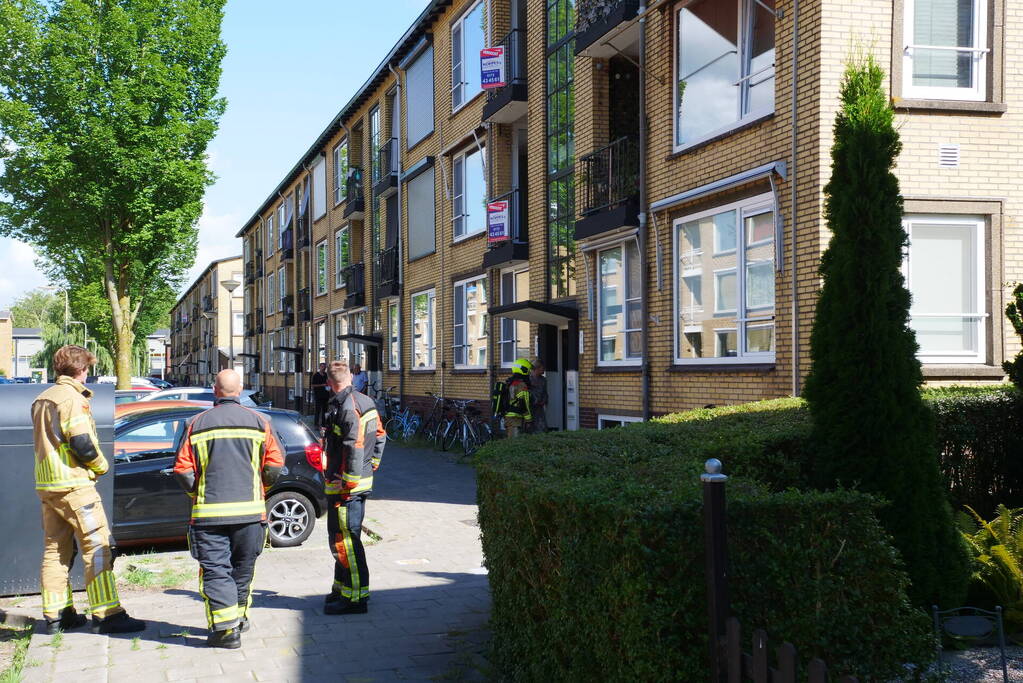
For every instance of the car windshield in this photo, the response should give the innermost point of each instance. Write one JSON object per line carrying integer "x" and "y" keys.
{"x": 289, "y": 430}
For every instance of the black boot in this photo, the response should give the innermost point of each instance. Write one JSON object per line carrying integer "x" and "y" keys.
{"x": 231, "y": 639}
{"x": 69, "y": 619}
{"x": 343, "y": 606}
{"x": 331, "y": 597}
{"x": 117, "y": 623}
{"x": 243, "y": 625}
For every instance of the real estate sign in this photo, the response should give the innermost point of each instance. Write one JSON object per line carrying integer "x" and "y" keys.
{"x": 497, "y": 221}
{"x": 492, "y": 67}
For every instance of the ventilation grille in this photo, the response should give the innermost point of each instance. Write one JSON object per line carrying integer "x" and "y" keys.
{"x": 948, "y": 156}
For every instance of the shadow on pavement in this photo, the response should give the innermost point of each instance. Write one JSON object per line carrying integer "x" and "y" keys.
{"x": 416, "y": 481}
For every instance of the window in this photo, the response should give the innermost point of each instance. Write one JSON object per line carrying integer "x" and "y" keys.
{"x": 614, "y": 421}
{"x": 321, "y": 342}
{"x": 945, "y": 51}
{"x": 339, "y": 329}
{"x": 619, "y": 303}
{"x": 342, "y": 255}
{"x": 514, "y": 341}
{"x": 470, "y": 331}
{"x": 424, "y": 306}
{"x": 421, "y": 227}
{"x": 737, "y": 274}
{"x": 357, "y": 351}
{"x": 270, "y": 240}
{"x": 393, "y": 357}
{"x": 282, "y": 285}
{"x": 470, "y": 193}
{"x": 281, "y": 227}
{"x": 724, "y": 67}
{"x": 156, "y": 439}
{"x": 270, "y": 296}
{"x": 321, "y": 268}
{"x": 419, "y": 98}
{"x": 468, "y": 37}
{"x": 374, "y": 143}
{"x": 944, "y": 272}
{"x": 340, "y": 171}
{"x": 239, "y": 291}
{"x": 239, "y": 324}
{"x": 319, "y": 191}
{"x": 560, "y": 147}
{"x": 271, "y": 355}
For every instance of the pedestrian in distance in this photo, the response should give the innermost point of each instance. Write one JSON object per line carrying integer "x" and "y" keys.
{"x": 360, "y": 380}
{"x": 227, "y": 459}
{"x": 68, "y": 458}
{"x": 321, "y": 393}
{"x": 538, "y": 397}
{"x": 355, "y": 444}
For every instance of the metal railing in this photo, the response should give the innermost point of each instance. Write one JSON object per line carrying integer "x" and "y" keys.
{"x": 288, "y": 244}
{"x": 303, "y": 304}
{"x": 259, "y": 263}
{"x": 387, "y": 266}
{"x": 514, "y": 45}
{"x": 354, "y": 278}
{"x": 609, "y": 176}
{"x": 259, "y": 320}
{"x": 590, "y": 12}
{"x": 353, "y": 185}
{"x": 514, "y": 199}
{"x": 387, "y": 160}
{"x": 207, "y": 303}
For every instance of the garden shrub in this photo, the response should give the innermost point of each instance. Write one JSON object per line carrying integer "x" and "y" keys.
{"x": 998, "y": 559}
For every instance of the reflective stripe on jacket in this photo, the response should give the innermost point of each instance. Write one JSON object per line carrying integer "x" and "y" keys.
{"x": 232, "y": 454}
{"x": 67, "y": 449}
{"x": 520, "y": 400}
{"x": 355, "y": 442}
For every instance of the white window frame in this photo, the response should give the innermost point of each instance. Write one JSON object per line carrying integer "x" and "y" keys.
{"x": 431, "y": 312}
{"x": 339, "y": 264}
{"x": 458, "y": 166}
{"x": 324, "y": 279}
{"x": 340, "y": 189}
{"x": 282, "y": 287}
{"x": 626, "y": 361}
{"x": 745, "y": 208}
{"x": 458, "y": 25}
{"x": 621, "y": 418}
{"x": 502, "y": 340}
{"x": 979, "y": 224}
{"x": 280, "y": 226}
{"x": 393, "y": 336}
{"x": 744, "y": 15}
{"x": 270, "y": 241}
{"x": 271, "y": 356}
{"x": 271, "y": 291}
{"x": 978, "y": 93}
{"x": 484, "y": 305}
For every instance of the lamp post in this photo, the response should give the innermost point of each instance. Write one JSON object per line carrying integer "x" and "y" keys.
{"x": 79, "y": 322}
{"x": 230, "y": 286}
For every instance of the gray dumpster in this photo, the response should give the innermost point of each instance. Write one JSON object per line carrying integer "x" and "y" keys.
{"x": 22, "y": 547}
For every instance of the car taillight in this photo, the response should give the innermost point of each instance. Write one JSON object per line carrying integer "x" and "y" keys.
{"x": 314, "y": 454}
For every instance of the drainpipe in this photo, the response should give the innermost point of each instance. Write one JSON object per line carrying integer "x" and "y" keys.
{"x": 642, "y": 237}
{"x": 399, "y": 244}
{"x": 796, "y": 381}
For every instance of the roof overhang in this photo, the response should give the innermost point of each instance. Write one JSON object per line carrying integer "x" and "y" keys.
{"x": 367, "y": 339}
{"x": 535, "y": 312}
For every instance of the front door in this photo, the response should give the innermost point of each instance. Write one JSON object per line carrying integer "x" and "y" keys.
{"x": 558, "y": 348}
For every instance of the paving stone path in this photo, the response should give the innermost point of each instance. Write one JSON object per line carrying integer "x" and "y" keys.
{"x": 428, "y": 615}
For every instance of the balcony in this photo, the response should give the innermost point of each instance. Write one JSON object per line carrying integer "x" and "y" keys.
{"x": 385, "y": 173}
{"x": 287, "y": 310}
{"x": 304, "y": 312}
{"x": 355, "y": 285}
{"x": 207, "y": 303}
{"x": 287, "y": 245}
{"x": 355, "y": 201}
{"x": 250, "y": 327}
{"x": 515, "y": 248}
{"x": 609, "y": 180}
{"x": 259, "y": 320}
{"x": 259, "y": 263}
{"x": 388, "y": 284}
{"x": 304, "y": 232}
{"x": 601, "y": 26}
{"x": 250, "y": 273}
{"x": 508, "y": 104}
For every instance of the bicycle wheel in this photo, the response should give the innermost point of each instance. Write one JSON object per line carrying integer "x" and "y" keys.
{"x": 470, "y": 442}
{"x": 395, "y": 429}
{"x": 451, "y": 435}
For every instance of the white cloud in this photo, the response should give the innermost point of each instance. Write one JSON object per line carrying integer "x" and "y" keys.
{"x": 18, "y": 273}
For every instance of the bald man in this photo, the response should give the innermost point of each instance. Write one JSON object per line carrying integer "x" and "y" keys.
{"x": 227, "y": 460}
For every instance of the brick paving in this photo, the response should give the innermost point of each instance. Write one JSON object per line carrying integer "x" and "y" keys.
{"x": 428, "y": 616}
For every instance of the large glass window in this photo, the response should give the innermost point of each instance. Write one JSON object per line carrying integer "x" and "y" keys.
{"x": 423, "y": 345}
{"x": 470, "y": 193}
{"x": 340, "y": 328}
{"x": 725, "y": 66}
{"x": 321, "y": 268}
{"x": 514, "y": 341}
{"x": 340, "y": 171}
{"x": 282, "y": 286}
{"x": 421, "y": 213}
{"x": 271, "y": 295}
{"x": 619, "y": 302}
{"x": 560, "y": 147}
{"x": 271, "y": 241}
{"x": 393, "y": 331}
{"x": 356, "y": 351}
{"x": 724, "y": 296}
{"x": 419, "y": 98}
{"x": 342, "y": 256}
{"x": 468, "y": 37}
{"x": 945, "y": 273}
{"x": 945, "y": 54}
{"x": 470, "y": 330}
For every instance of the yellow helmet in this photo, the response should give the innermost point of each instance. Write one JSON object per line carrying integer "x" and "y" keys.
{"x": 521, "y": 367}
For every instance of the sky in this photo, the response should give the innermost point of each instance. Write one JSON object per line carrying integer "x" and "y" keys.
{"x": 289, "y": 69}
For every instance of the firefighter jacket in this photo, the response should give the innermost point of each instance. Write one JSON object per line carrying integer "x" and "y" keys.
{"x": 520, "y": 403}
{"x": 226, "y": 461}
{"x": 67, "y": 448}
{"x": 355, "y": 443}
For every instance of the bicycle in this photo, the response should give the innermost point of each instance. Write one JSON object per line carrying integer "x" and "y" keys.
{"x": 403, "y": 423}
{"x": 434, "y": 423}
{"x": 469, "y": 428}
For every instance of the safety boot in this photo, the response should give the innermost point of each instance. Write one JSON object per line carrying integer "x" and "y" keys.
{"x": 243, "y": 625}
{"x": 231, "y": 639}
{"x": 344, "y": 606}
{"x": 68, "y": 620}
{"x": 117, "y": 623}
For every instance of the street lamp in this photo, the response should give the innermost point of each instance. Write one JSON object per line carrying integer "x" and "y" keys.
{"x": 79, "y": 322}
{"x": 230, "y": 286}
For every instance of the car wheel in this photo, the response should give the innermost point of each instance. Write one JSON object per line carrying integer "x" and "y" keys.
{"x": 290, "y": 517}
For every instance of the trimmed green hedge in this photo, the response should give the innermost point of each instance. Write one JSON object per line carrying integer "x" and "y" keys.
{"x": 595, "y": 551}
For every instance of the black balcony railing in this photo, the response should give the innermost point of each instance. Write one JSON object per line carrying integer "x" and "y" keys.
{"x": 259, "y": 321}
{"x": 259, "y": 263}
{"x": 388, "y": 273}
{"x": 287, "y": 244}
{"x": 207, "y": 303}
{"x": 287, "y": 310}
{"x": 355, "y": 285}
{"x": 355, "y": 202}
{"x": 250, "y": 327}
{"x": 304, "y": 237}
{"x": 304, "y": 305}
{"x": 499, "y": 100}
{"x": 514, "y": 248}
{"x": 609, "y": 176}
{"x": 250, "y": 272}
{"x": 385, "y": 171}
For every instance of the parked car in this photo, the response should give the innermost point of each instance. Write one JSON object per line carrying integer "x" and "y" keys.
{"x": 4, "y": 380}
{"x": 130, "y": 395}
{"x": 194, "y": 394}
{"x": 126, "y": 409}
{"x": 112, "y": 379}
{"x": 159, "y": 383}
{"x": 149, "y": 505}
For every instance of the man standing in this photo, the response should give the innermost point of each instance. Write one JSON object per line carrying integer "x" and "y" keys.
{"x": 538, "y": 397}
{"x": 320, "y": 393}
{"x": 360, "y": 380}
{"x": 68, "y": 460}
{"x": 355, "y": 444}
{"x": 227, "y": 460}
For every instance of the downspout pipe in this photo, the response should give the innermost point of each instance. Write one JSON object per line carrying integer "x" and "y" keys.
{"x": 399, "y": 243}
{"x": 794, "y": 293}
{"x": 642, "y": 217}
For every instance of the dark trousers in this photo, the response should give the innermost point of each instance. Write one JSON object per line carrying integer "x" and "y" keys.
{"x": 321, "y": 409}
{"x": 227, "y": 561}
{"x": 344, "y": 529}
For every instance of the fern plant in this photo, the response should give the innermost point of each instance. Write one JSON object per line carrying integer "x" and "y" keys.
{"x": 998, "y": 559}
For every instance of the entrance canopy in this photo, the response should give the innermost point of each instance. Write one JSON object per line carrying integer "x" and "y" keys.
{"x": 368, "y": 340}
{"x": 536, "y": 312}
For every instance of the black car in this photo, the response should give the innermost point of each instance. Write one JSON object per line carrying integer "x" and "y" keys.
{"x": 150, "y": 506}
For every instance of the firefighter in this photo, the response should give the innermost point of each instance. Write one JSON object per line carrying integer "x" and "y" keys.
{"x": 355, "y": 443}
{"x": 68, "y": 460}
{"x": 227, "y": 460}
{"x": 518, "y": 415}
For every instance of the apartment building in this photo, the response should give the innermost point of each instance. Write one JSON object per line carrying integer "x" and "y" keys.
{"x": 207, "y": 325}
{"x": 640, "y": 204}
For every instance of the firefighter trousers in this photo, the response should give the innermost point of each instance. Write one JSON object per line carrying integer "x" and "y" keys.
{"x": 70, "y": 518}
{"x": 344, "y": 529}
{"x": 227, "y": 562}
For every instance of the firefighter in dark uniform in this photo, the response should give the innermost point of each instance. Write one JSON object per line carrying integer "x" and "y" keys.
{"x": 227, "y": 460}
{"x": 355, "y": 443}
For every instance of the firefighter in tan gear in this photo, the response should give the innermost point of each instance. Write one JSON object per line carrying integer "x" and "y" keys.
{"x": 68, "y": 460}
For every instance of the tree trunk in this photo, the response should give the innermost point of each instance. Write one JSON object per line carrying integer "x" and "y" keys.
{"x": 123, "y": 357}
{"x": 123, "y": 318}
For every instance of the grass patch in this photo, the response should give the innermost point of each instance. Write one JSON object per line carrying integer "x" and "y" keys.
{"x": 135, "y": 643}
{"x": 57, "y": 641}
{"x": 17, "y": 640}
{"x": 174, "y": 577}
{"x": 140, "y": 577}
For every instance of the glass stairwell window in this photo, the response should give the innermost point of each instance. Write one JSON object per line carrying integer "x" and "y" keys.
{"x": 620, "y": 305}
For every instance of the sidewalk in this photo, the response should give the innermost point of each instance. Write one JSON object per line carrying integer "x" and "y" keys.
{"x": 427, "y": 620}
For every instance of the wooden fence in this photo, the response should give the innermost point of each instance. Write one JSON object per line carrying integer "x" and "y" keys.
{"x": 756, "y": 666}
